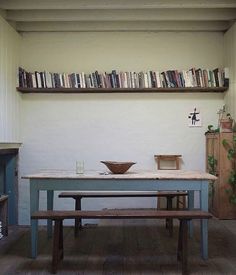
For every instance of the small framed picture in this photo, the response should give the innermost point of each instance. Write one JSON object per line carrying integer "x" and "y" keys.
{"x": 194, "y": 118}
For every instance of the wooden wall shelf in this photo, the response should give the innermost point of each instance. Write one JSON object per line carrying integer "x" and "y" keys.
{"x": 121, "y": 90}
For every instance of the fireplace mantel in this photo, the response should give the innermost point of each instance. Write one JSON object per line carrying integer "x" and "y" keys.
{"x": 9, "y": 147}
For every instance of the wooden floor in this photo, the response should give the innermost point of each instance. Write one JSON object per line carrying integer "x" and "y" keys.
{"x": 121, "y": 247}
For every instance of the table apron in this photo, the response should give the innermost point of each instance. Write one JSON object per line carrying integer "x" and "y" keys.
{"x": 118, "y": 185}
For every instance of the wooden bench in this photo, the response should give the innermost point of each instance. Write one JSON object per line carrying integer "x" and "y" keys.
{"x": 77, "y": 196}
{"x": 183, "y": 216}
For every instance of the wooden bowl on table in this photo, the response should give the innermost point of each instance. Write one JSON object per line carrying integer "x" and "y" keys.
{"x": 118, "y": 167}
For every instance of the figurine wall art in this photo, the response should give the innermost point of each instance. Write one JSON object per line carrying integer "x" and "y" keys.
{"x": 194, "y": 118}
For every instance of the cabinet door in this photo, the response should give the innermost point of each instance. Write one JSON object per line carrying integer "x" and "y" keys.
{"x": 226, "y": 209}
{"x": 212, "y": 150}
{"x": 219, "y": 203}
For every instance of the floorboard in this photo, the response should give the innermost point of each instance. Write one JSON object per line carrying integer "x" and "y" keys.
{"x": 121, "y": 247}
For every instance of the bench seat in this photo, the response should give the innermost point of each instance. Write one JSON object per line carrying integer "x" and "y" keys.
{"x": 137, "y": 194}
{"x": 120, "y": 214}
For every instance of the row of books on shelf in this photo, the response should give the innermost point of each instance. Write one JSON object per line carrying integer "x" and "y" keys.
{"x": 151, "y": 79}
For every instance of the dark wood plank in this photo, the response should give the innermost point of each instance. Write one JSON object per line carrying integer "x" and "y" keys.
{"x": 99, "y": 194}
{"x": 155, "y": 255}
{"x": 81, "y": 195}
{"x": 122, "y": 90}
{"x": 120, "y": 213}
{"x": 114, "y": 259}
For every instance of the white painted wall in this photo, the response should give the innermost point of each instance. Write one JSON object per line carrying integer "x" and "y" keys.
{"x": 59, "y": 129}
{"x": 9, "y": 99}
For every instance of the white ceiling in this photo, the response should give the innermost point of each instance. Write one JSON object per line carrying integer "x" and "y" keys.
{"x": 119, "y": 15}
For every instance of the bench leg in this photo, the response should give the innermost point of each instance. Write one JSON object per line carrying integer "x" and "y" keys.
{"x": 57, "y": 251}
{"x": 182, "y": 251}
{"x": 78, "y": 221}
{"x": 169, "y": 222}
{"x": 50, "y": 195}
{"x": 158, "y": 202}
{"x": 61, "y": 245}
{"x": 181, "y": 202}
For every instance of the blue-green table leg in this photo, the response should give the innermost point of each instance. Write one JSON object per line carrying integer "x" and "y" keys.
{"x": 50, "y": 194}
{"x": 204, "y": 223}
{"x": 34, "y": 206}
{"x": 190, "y": 207}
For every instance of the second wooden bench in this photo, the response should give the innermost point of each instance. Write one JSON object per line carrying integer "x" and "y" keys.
{"x": 77, "y": 196}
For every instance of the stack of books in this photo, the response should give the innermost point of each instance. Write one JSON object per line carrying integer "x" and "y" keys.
{"x": 201, "y": 78}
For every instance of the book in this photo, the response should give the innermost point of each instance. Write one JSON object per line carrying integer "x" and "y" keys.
{"x": 38, "y": 79}
{"x": 113, "y": 77}
{"x": 83, "y": 83}
{"x": 72, "y": 80}
{"x": 48, "y": 79}
{"x": 194, "y": 80}
{"x": 164, "y": 80}
{"x": 152, "y": 79}
{"x": 158, "y": 79}
{"x": 21, "y": 73}
{"x": 216, "y": 76}
{"x": 78, "y": 80}
{"x": 34, "y": 84}
{"x": 62, "y": 80}
{"x": 205, "y": 78}
{"x": 198, "y": 78}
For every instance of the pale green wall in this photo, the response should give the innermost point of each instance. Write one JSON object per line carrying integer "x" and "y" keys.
{"x": 9, "y": 99}
{"x": 59, "y": 129}
{"x": 230, "y": 61}
{"x": 127, "y": 50}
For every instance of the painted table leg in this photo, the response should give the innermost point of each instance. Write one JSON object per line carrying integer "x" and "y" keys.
{"x": 50, "y": 194}
{"x": 204, "y": 223}
{"x": 204, "y": 239}
{"x": 34, "y": 206}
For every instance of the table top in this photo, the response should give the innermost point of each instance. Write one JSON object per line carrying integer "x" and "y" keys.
{"x": 135, "y": 175}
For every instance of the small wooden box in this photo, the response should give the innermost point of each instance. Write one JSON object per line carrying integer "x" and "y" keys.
{"x": 172, "y": 158}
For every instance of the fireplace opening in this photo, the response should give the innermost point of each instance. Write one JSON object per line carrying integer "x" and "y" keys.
{"x": 9, "y": 182}
{"x": 2, "y": 179}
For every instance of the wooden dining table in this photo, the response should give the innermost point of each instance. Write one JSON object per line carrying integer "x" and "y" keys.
{"x": 141, "y": 181}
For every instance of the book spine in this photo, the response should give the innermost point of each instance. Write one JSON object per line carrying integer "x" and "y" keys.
{"x": 113, "y": 77}
{"x": 78, "y": 80}
{"x": 215, "y": 73}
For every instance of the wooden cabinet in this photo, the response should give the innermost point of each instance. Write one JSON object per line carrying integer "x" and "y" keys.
{"x": 219, "y": 203}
